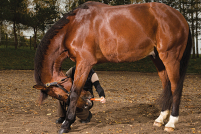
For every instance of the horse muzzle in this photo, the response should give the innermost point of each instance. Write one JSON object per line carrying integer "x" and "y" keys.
{"x": 88, "y": 104}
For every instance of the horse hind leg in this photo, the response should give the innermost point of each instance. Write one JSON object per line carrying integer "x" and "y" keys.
{"x": 175, "y": 62}
{"x": 176, "y": 70}
{"x": 176, "y": 89}
{"x": 172, "y": 66}
{"x": 166, "y": 97}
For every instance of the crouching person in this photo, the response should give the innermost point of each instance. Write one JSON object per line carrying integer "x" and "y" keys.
{"x": 83, "y": 114}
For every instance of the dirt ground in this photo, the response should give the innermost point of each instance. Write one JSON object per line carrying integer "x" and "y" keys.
{"x": 131, "y": 105}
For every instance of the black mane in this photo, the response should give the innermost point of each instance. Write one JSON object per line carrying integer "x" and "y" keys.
{"x": 45, "y": 42}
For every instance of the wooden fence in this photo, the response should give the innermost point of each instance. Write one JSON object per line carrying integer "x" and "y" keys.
{"x": 8, "y": 41}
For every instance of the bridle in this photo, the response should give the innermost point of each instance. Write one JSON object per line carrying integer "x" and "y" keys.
{"x": 56, "y": 83}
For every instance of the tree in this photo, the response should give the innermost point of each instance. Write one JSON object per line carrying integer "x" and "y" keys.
{"x": 3, "y": 16}
{"x": 45, "y": 12}
{"x": 192, "y": 26}
{"x": 16, "y": 12}
{"x": 34, "y": 23}
{"x": 120, "y": 2}
{"x": 194, "y": 21}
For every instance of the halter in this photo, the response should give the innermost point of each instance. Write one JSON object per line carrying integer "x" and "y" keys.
{"x": 56, "y": 83}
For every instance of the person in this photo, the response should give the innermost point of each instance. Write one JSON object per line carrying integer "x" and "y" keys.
{"x": 83, "y": 114}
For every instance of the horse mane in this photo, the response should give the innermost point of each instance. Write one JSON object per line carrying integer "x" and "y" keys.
{"x": 45, "y": 42}
{"x": 43, "y": 46}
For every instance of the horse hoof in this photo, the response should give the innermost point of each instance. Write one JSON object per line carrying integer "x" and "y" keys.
{"x": 169, "y": 129}
{"x": 157, "y": 124}
{"x": 63, "y": 131}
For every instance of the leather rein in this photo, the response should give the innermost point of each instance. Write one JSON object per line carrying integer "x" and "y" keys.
{"x": 56, "y": 83}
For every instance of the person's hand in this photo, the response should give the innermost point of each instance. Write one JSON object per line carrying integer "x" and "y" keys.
{"x": 103, "y": 100}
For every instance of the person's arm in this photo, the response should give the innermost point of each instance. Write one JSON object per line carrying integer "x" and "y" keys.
{"x": 99, "y": 89}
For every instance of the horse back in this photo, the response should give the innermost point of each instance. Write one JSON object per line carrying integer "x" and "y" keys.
{"x": 122, "y": 33}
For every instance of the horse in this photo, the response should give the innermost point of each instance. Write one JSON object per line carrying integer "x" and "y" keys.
{"x": 97, "y": 33}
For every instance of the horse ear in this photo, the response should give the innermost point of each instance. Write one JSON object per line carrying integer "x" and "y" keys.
{"x": 39, "y": 87}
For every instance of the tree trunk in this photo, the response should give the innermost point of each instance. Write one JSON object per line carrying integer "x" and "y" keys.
{"x": 15, "y": 35}
{"x": 0, "y": 31}
{"x": 18, "y": 35}
{"x": 35, "y": 37}
{"x": 192, "y": 28}
{"x": 197, "y": 48}
{"x": 43, "y": 29}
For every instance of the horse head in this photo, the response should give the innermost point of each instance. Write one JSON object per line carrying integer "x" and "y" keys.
{"x": 61, "y": 91}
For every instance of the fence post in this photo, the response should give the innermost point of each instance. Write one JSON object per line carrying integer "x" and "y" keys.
{"x": 6, "y": 40}
{"x": 23, "y": 43}
{"x": 30, "y": 42}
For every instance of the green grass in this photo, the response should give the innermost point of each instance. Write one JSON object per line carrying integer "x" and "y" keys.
{"x": 20, "y": 59}
{"x": 23, "y": 59}
{"x": 194, "y": 66}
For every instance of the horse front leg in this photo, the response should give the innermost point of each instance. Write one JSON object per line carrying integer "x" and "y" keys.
{"x": 80, "y": 77}
{"x": 165, "y": 99}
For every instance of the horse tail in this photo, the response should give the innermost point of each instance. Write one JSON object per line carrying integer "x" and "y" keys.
{"x": 186, "y": 56}
{"x": 185, "y": 59}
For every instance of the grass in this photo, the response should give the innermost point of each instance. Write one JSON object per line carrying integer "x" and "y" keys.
{"x": 23, "y": 59}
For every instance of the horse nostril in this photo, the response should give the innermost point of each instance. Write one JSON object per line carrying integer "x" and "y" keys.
{"x": 59, "y": 96}
{"x": 88, "y": 104}
{"x": 90, "y": 96}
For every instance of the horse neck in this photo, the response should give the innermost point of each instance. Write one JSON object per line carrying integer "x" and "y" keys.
{"x": 51, "y": 53}
{"x": 52, "y": 67}
{"x": 57, "y": 72}
{"x": 53, "y": 59}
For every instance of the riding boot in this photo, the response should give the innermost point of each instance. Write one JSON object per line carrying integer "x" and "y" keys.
{"x": 61, "y": 112}
{"x": 84, "y": 114}
{"x": 88, "y": 118}
{"x": 60, "y": 120}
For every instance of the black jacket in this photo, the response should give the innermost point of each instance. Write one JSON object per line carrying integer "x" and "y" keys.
{"x": 89, "y": 85}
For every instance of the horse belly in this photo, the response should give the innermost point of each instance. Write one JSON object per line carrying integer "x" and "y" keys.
{"x": 140, "y": 52}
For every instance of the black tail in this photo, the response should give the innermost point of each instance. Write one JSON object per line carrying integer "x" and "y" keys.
{"x": 186, "y": 57}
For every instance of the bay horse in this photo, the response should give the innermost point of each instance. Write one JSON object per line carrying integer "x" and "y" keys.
{"x": 97, "y": 33}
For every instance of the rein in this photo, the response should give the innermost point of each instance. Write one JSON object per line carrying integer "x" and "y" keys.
{"x": 56, "y": 83}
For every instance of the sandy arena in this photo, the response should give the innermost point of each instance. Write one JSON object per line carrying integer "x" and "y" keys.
{"x": 131, "y": 106}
